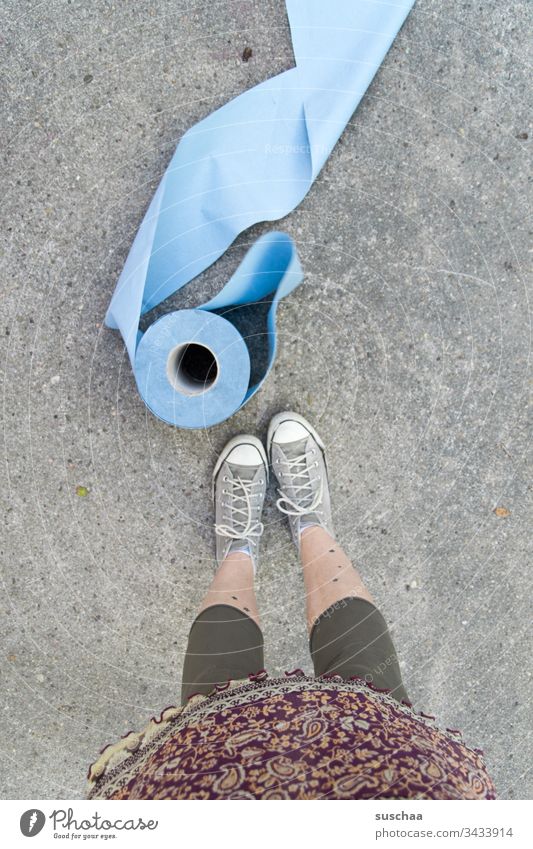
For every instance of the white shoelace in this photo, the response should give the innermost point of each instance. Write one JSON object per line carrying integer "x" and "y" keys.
{"x": 303, "y": 491}
{"x": 246, "y": 527}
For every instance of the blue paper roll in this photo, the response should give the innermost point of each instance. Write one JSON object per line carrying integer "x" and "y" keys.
{"x": 193, "y": 366}
{"x": 252, "y": 160}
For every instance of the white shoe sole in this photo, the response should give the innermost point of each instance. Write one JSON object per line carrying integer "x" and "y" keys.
{"x": 228, "y": 448}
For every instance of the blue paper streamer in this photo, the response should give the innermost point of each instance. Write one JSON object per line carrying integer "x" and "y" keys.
{"x": 252, "y": 160}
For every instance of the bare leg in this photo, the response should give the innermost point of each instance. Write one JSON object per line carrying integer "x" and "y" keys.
{"x": 348, "y": 635}
{"x": 233, "y": 584}
{"x": 328, "y": 574}
{"x": 225, "y": 643}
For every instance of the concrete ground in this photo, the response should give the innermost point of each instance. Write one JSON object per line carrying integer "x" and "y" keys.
{"x": 407, "y": 346}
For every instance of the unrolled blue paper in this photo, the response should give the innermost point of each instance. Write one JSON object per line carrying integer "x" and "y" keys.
{"x": 252, "y": 160}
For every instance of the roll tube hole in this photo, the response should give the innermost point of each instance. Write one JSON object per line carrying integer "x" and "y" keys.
{"x": 192, "y": 368}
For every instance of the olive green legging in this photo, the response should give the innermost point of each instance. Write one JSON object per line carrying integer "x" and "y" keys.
{"x": 349, "y": 639}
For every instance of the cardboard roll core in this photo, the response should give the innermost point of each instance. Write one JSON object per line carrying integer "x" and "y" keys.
{"x": 192, "y": 368}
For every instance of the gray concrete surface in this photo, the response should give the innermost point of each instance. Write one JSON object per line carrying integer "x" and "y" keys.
{"x": 407, "y": 346}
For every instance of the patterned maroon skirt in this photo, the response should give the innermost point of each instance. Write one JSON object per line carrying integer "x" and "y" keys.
{"x": 291, "y": 738}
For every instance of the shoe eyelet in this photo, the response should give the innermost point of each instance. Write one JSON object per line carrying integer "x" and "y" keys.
{"x": 225, "y": 479}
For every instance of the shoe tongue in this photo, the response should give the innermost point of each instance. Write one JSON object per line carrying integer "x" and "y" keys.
{"x": 245, "y": 473}
{"x": 291, "y": 451}
{"x": 294, "y": 449}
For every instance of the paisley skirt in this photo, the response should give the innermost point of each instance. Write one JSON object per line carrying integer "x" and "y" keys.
{"x": 297, "y": 737}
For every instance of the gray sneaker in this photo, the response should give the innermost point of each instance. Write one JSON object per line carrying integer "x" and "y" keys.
{"x": 298, "y": 461}
{"x": 239, "y": 486}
